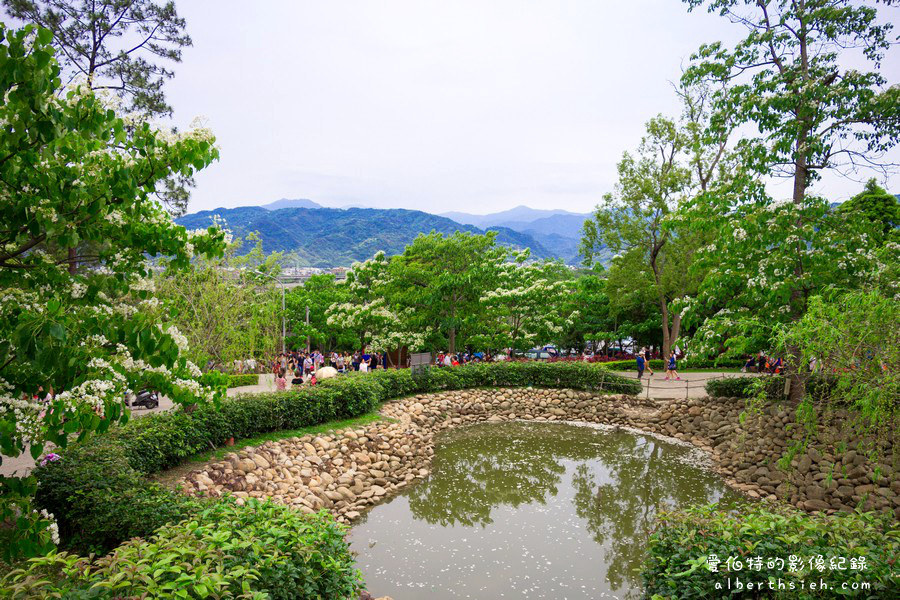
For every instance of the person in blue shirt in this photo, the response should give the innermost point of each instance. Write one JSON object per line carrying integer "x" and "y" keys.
{"x": 643, "y": 363}
{"x": 672, "y": 367}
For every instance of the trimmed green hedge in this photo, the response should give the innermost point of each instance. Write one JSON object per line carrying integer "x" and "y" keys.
{"x": 99, "y": 492}
{"x": 818, "y": 387}
{"x": 678, "y": 550}
{"x": 243, "y": 379}
{"x": 233, "y": 551}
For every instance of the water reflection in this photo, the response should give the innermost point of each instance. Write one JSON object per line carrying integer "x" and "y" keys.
{"x": 528, "y": 510}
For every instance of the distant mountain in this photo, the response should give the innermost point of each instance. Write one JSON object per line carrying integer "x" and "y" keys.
{"x": 566, "y": 225}
{"x": 513, "y": 215}
{"x": 287, "y": 203}
{"x": 329, "y": 237}
{"x": 558, "y": 231}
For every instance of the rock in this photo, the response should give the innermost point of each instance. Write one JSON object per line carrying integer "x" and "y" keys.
{"x": 260, "y": 462}
{"x": 816, "y": 505}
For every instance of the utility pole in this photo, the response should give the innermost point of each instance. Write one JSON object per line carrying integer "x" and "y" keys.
{"x": 307, "y": 328}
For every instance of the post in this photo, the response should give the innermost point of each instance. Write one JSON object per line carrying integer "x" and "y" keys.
{"x": 307, "y": 328}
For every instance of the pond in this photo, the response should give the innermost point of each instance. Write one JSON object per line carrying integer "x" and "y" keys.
{"x": 530, "y": 510}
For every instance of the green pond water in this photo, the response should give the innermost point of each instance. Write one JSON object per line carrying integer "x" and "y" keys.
{"x": 529, "y": 510}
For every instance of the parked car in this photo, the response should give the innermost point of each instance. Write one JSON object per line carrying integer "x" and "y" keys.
{"x": 538, "y": 354}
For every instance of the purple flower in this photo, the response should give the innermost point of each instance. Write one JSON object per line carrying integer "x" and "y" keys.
{"x": 50, "y": 458}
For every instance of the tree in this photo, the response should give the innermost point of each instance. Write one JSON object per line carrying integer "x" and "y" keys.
{"x": 69, "y": 173}
{"x": 119, "y": 46}
{"x": 527, "y": 305}
{"x": 227, "y": 307}
{"x": 786, "y": 78}
{"x": 440, "y": 281}
{"x": 633, "y": 301}
{"x": 369, "y": 311}
{"x": 854, "y": 333}
{"x": 635, "y": 220}
{"x": 878, "y": 207}
{"x": 319, "y": 293}
{"x": 590, "y": 318}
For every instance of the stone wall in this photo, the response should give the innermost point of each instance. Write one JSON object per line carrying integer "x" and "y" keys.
{"x": 350, "y": 470}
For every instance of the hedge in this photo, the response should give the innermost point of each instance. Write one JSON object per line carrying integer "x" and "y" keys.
{"x": 818, "y": 387}
{"x": 679, "y": 549}
{"x": 243, "y": 379}
{"x": 99, "y": 492}
{"x": 261, "y": 548}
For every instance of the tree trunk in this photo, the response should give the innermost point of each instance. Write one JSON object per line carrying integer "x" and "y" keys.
{"x": 452, "y": 348}
{"x": 73, "y": 261}
{"x": 793, "y": 370}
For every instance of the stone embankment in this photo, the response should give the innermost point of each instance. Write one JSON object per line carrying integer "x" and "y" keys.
{"x": 350, "y": 470}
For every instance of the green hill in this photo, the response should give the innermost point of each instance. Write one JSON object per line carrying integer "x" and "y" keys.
{"x": 330, "y": 237}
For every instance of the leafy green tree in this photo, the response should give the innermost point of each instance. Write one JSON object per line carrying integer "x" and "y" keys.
{"x": 526, "y": 306}
{"x": 123, "y": 47}
{"x": 787, "y": 78}
{"x": 589, "y": 315}
{"x": 878, "y": 207}
{"x": 636, "y": 219}
{"x": 70, "y": 174}
{"x": 319, "y": 293}
{"x": 228, "y": 307}
{"x": 855, "y": 334}
{"x": 633, "y": 301}
{"x": 370, "y": 312}
{"x": 440, "y": 281}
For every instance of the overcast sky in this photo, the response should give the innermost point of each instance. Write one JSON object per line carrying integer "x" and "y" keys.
{"x": 472, "y": 105}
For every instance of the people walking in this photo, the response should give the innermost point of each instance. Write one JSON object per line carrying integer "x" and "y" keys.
{"x": 672, "y": 368}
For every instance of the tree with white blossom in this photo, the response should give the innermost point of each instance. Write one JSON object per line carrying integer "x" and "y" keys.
{"x": 788, "y": 79}
{"x": 75, "y": 338}
{"x": 379, "y": 324}
{"x": 526, "y": 306}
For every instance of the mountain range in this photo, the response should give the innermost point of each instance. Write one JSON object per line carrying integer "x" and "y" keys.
{"x": 329, "y": 237}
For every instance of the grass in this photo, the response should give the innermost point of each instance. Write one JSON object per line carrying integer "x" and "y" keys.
{"x": 274, "y": 436}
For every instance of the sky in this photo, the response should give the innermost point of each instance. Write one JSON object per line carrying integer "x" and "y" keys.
{"x": 476, "y": 106}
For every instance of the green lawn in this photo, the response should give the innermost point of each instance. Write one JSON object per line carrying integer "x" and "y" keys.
{"x": 275, "y": 436}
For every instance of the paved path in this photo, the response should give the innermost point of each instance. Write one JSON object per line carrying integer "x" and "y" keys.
{"x": 691, "y": 385}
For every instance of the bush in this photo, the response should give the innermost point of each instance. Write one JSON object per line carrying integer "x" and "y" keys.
{"x": 818, "y": 387}
{"x": 242, "y": 380}
{"x": 678, "y": 550}
{"x": 98, "y": 490}
{"x": 261, "y": 548}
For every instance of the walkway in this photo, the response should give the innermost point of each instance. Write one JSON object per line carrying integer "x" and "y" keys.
{"x": 691, "y": 385}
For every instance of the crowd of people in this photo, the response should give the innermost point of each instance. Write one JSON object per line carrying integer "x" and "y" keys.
{"x": 306, "y": 367}
{"x": 763, "y": 364}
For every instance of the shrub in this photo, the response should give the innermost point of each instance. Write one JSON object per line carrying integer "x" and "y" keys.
{"x": 677, "y": 566}
{"x": 261, "y": 549}
{"x": 818, "y": 386}
{"x": 242, "y": 380}
{"x": 98, "y": 491}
